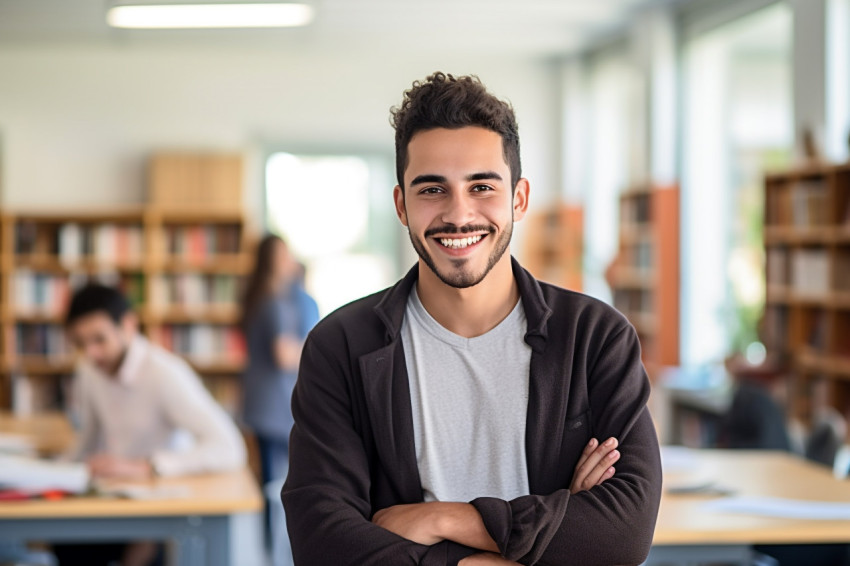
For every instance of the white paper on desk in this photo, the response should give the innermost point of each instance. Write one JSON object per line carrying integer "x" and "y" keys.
{"x": 31, "y": 474}
{"x": 678, "y": 459}
{"x": 16, "y": 444}
{"x": 782, "y": 508}
{"x": 143, "y": 492}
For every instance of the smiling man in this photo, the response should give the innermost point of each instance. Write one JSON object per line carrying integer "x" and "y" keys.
{"x": 454, "y": 418}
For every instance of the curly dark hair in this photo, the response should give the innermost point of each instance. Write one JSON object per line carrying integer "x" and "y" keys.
{"x": 445, "y": 101}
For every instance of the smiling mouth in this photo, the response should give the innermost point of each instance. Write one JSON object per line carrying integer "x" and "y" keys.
{"x": 460, "y": 243}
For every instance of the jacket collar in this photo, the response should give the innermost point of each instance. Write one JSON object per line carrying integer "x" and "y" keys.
{"x": 391, "y": 307}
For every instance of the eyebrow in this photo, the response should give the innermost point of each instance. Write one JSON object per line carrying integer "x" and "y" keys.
{"x": 421, "y": 179}
{"x": 485, "y": 176}
{"x": 430, "y": 178}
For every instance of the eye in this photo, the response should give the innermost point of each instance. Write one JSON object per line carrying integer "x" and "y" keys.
{"x": 430, "y": 191}
{"x": 482, "y": 188}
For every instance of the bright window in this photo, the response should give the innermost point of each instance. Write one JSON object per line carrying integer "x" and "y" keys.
{"x": 737, "y": 123}
{"x": 336, "y": 213}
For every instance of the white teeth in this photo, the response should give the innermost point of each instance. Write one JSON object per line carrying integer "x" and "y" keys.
{"x": 460, "y": 242}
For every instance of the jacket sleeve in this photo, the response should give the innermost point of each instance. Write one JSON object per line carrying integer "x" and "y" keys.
{"x": 612, "y": 523}
{"x": 326, "y": 494}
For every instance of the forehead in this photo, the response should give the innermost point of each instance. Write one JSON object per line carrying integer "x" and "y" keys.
{"x": 97, "y": 321}
{"x": 462, "y": 150}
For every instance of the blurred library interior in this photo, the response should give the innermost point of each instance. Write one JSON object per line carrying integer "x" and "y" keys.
{"x": 689, "y": 163}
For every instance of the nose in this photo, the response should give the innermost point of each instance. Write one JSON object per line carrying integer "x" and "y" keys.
{"x": 459, "y": 209}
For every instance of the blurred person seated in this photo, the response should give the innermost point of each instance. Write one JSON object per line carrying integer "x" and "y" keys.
{"x": 828, "y": 429}
{"x": 133, "y": 398}
{"x": 756, "y": 419}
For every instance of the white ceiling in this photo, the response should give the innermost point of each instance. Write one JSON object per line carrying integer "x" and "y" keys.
{"x": 516, "y": 28}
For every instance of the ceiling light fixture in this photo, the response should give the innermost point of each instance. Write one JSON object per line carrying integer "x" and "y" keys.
{"x": 184, "y": 16}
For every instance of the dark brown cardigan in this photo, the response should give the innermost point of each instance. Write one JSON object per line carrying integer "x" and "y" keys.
{"x": 352, "y": 450}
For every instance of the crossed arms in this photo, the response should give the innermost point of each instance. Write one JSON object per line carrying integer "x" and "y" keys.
{"x": 433, "y": 522}
{"x": 341, "y": 509}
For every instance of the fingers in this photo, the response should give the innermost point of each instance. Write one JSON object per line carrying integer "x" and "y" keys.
{"x": 606, "y": 475}
{"x": 596, "y": 466}
{"x": 588, "y": 450}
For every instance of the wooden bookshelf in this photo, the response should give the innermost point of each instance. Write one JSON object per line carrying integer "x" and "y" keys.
{"x": 807, "y": 307}
{"x": 644, "y": 276}
{"x": 183, "y": 271}
{"x": 554, "y": 245}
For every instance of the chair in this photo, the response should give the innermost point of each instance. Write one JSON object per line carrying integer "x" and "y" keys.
{"x": 829, "y": 429}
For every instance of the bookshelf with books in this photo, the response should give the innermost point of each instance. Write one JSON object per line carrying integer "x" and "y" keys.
{"x": 644, "y": 276}
{"x": 181, "y": 270}
{"x": 807, "y": 308}
{"x": 200, "y": 260}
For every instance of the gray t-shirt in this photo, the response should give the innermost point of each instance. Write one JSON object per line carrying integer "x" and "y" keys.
{"x": 469, "y": 399}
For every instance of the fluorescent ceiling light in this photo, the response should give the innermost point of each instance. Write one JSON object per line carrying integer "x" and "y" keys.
{"x": 177, "y": 16}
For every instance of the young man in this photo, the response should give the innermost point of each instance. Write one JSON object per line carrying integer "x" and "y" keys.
{"x": 453, "y": 418}
{"x": 133, "y": 396}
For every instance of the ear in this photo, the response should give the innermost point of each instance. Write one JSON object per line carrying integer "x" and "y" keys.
{"x": 521, "y": 199}
{"x": 400, "y": 208}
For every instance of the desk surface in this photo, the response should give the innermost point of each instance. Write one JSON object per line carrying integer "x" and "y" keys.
{"x": 682, "y": 520}
{"x": 213, "y": 494}
{"x": 50, "y": 433}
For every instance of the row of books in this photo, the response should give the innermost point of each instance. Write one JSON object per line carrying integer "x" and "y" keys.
{"x": 204, "y": 343}
{"x": 818, "y": 331}
{"x": 810, "y": 272}
{"x": 636, "y": 209}
{"x": 33, "y": 394}
{"x": 777, "y": 266}
{"x": 774, "y": 328}
{"x": 72, "y": 242}
{"x": 809, "y": 204}
{"x": 47, "y": 294}
{"x": 842, "y": 271}
{"x": 822, "y": 332}
{"x": 638, "y": 256}
{"x": 44, "y": 340}
{"x": 40, "y": 293}
{"x": 806, "y": 271}
{"x": 805, "y": 204}
{"x": 632, "y": 302}
{"x": 202, "y": 242}
{"x": 192, "y": 291}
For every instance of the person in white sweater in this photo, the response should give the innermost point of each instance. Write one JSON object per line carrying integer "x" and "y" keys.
{"x": 133, "y": 397}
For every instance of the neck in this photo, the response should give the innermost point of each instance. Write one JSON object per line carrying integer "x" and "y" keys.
{"x": 472, "y": 311}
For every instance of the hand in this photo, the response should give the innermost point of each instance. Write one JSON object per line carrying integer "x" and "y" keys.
{"x": 484, "y": 559}
{"x": 108, "y": 466}
{"x": 595, "y": 465}
{"x": 417, "y": 522}
{"x": 288, "y": 352}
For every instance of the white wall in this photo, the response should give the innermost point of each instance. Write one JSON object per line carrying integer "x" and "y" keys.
{"x": 78, "y": 121}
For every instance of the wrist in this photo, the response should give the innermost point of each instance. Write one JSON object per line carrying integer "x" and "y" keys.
{"x": 450, "y": 518}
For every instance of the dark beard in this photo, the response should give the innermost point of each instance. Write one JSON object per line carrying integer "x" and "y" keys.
{"x": 461, "y": 279}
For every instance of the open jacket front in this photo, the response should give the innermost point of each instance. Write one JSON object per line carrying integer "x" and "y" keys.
{"x": 352, "y": 451}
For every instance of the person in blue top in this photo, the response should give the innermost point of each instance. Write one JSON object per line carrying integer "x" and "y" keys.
{"x": 276, "y": 317}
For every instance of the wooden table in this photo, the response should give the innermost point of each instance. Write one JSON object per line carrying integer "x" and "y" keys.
{"x": 688, "y": 533}
{"x": 204, "y": 517}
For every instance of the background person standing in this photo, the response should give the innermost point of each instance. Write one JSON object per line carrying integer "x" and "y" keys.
{"x": 276, "y": 317}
